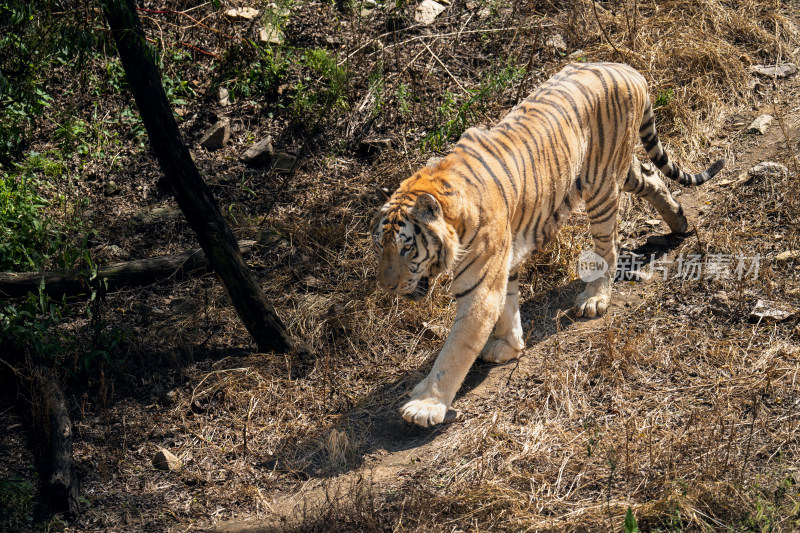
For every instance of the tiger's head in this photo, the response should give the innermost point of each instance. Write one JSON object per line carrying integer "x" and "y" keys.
{"x": 413, "y": 242}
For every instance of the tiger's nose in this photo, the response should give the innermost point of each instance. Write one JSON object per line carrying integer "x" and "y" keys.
{"x": 386, "y": 285}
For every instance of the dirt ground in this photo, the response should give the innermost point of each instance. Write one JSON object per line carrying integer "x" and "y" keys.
{"x": 676, "y": 405}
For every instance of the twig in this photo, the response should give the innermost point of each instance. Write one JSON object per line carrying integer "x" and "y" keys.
{"x": 170, "y": 12}
{"x": 445, "y": 68}
{"x": 602, "y": 29}
{"x": 750, "y": 436}
{"x": 193, "y": 47}
{"x": 421, "y": 37}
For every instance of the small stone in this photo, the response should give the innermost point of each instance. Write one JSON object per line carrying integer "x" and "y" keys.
{"x": 768, "y": 169}
{"x": 217, "y": 136}
{"x": 771, "y": 311}
{"x": 556, "y": 42}
{"x": 242, "y": 13}
{"x": 760, "y": 124}
{"x": 433, "y": 332}
{"x": 433, "y": 161}
{"x": 427, "y": 11}
{"x": 111, "y": 188}
{"x": 223, "y": 96}
{"x": 577, "y": 55}
{"x": 269, "y": 34}
{"x": 370, "y": 4}
{"x": 157, "y": 215}
{"x": 776, "y": 71}
{"x": 284, "y": 162}
{"x": 182, "y": 306}
{"x": 370, "y": 147}
{"x": 788, "y": 255}
{"x": 653, "y": 222}
{"x": 260, "y": 154}
{"x": 165, "y": 460}
{"x": 721, "y": 304}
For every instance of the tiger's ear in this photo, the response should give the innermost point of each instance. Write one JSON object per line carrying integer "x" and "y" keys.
{"x": 426, "y": 208}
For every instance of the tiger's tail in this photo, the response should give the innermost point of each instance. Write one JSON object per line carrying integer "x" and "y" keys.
{"x": 655, "y": 151}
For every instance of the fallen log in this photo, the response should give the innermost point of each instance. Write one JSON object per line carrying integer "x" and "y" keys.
{"x": 75, "y": 282}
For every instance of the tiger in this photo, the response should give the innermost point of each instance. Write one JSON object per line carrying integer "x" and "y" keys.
{"x": 501, "y": 193}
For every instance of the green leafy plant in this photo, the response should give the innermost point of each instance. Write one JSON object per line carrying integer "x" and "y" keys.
{"x": 30, "y": 237}
{"x": 664, "y": 98}
{"x": 322, "y": 89}
{"x": 459, "y": 114}
{"x": 630, "y": 522}
{"x": 403, "y": 96}
{"x": 16, "y": 504}
{"x": 25, "y": 233}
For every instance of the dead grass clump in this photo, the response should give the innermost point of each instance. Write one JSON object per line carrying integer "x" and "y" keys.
{"x": 695, "y": 55}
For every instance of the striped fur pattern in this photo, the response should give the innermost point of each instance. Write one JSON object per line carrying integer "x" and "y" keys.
{"x": 502, "y": 193}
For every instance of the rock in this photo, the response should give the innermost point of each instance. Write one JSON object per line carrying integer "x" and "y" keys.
{"x": 260, "y": 154}
{"x": 427, "y": 11}
{"x": 158, "y": 215}
{"x": 223, "y": 96}
{"x": 433, "y": 332}
{"x": 217, "y": 136}
{"x": 284, "y": 162}
{"x": 760, "y": 124}
{"x": 776, "y": 71}
{"x": 269, "y": 34}
{"x": 768, "y": 169}
{"x": 111, "y": 188}
{"x": 789, "y": 255}
{"x": 577, "y": 55}
{"x": 653, "y": 222}
{"x": 371, "y": 147}
{"x": 771, "y": 311}
{"x": 242, "y": 13}
{"x": 182, "y": 306}
{"x": 165, "y": 460}
{"x": 556, "y": 42}
{"x": 721, "y": 304}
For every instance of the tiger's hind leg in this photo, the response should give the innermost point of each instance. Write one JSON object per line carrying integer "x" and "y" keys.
{"x": 506, "y": 342}
{"x": 644, "y": 182}
{"x": 602, "y": 207}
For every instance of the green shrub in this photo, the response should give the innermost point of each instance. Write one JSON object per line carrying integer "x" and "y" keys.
{"x": 25, "y": 231}
{"x": 30, "y": 237}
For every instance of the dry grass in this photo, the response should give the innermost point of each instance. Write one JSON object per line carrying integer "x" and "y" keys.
{"x": 688, "y": 417}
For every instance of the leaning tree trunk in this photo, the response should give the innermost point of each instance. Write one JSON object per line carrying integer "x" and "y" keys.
{"x": 191, "y": 192}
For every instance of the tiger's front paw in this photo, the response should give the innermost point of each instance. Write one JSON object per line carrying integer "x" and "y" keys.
{"x": 501, "y": 351}
{"x": 424, "y": 412}
{"x": 590, "y": 306}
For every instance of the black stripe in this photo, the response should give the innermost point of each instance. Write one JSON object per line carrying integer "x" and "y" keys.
{"x": 468, "y": 291}
{"x": 464, "y": 268}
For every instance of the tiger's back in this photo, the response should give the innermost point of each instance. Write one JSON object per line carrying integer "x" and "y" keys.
{"x": 502, "y": 193}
